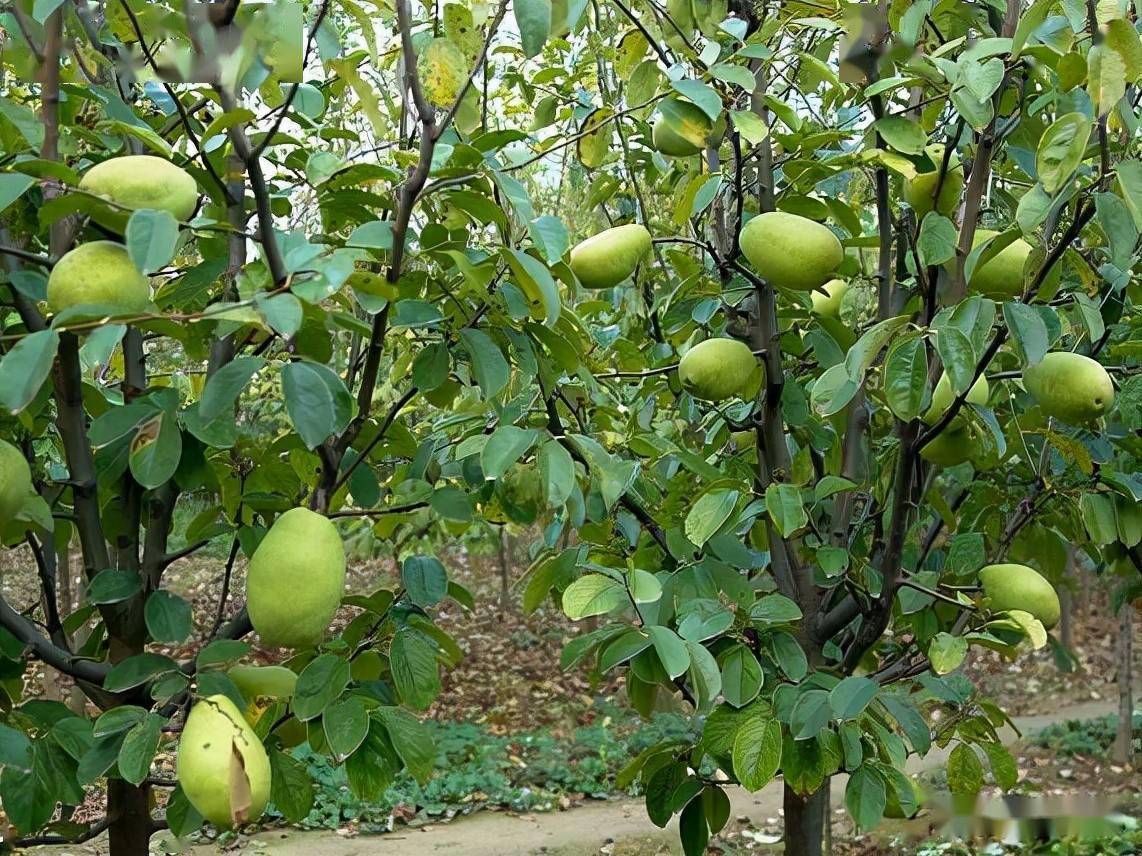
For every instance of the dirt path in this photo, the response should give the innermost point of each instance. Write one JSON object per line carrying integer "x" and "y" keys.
{"x": 582, "y": 830}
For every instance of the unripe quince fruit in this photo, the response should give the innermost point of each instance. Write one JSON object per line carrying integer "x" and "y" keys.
{"x": 15, "y": 481}
{"x": 1072, "y": 388}
{"x": 295, "y": 579}
{"x": 1020, "y": 587}
{"x": 606, "y": 259}
{"x": 222, "y": 766}
{"x": 99, "y": 273}
{"x": 827, "y": 299}
{"x": 950, "y": 447}
{"x": 141, "y": 181}
{"x": 920, "y": 190}
{"x": 682, "y": 129}
{"x": 790, "y": 251}
{"x": 943, "y": 396}
{"x": 717, "y": 369}
{"x": 1001, "y": 277}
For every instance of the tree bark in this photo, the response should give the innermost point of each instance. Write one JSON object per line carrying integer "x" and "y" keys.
{"x": 1067, "y": 604}
{"x": 129, "y": 805}
{"x": 805, "y": 821}
{"x": 1123, "y": 751}
{"x": 505, "y": 576}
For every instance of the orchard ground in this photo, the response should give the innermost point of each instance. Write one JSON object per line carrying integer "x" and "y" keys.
{"x": 542, "y": 745}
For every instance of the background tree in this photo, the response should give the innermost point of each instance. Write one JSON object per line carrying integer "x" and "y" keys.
{"x": 374, "y": 313}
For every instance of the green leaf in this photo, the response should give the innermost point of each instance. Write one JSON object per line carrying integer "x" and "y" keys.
{"x": 751, "y": 126}
{"x": 1003, "y": 767}
{"x": 533, "y": 17}
{"x": 225, "y": 385}
{"x": 139, "y": 747}
{"x": 958, "y": 356}
{"x": 412, "y": 740}
{"x": 708, "y": 514}
{"x": 182, "y": 817}
{"x": 1029, "y": 21}
{"x": 112, "y": 586}
{"x": 1061, "y": 150}
{"x": 936, "y": 243}
{"x": 1130, "y": 184}
{"x": 537, "y": 284}
{"x": 13, "y": 185}
{"x": 789, "y": 656}
{"x": 742, "y": 676}
{"x": 377, "y": 235}
{"x": 550, "y": 235}
{"x": 319, "y": 685}
{"x": 757, "y": 752}
{"x": 946, "y": 652}
{"x": 156, "y": 450}
{"x": 810, "y": 715}
{"x": 15, "y": 748}
{"x": 785, "y": 508}
{"x": 425, "y": 579}
{"x": 833, "y": 390}
{"x": 309, "y": 402}
{"x": 488, "y": 364}
{"x": 557, "y": 468}
{"x": 671, "y": 650}
{"x": 168, "y": 617}
{"x": 137, "y": 670}
{"x": 151, "y": 238}
{"x": 345, "y": 724}
{"x": 965, "y": 772}
{"x": 42, "y": 9}
{"x": 701, "y": 95}
{"x": 593, "y": 594}
{"x": 902, "y": 133}
{"x": 866, "y": 796}
{"x": 415, "y": 670}
{"x": 372, "y": 768}
{"x": 1028, "y": 331}
{"x": 852, "y": 695}
{"x": 774, "y": 609}
{"x": 506, "y": 445}
{"x": 291, "y": 786}
{"x": 25, "y": 367}
{"x": 906, "y": 378}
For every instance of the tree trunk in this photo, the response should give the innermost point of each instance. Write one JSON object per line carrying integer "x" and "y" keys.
{"x": 805, "y": 821}
{"x": 1123, "y": 751}
{"x": 1067, "y": 603}
{"x": 505, "y": 577}
{"x": 130, "y": 833}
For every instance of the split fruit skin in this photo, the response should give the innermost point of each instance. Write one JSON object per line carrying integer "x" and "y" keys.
{"x": 790, "y": 251}
{"x": 98, "y": 273}
{"x": 717, "y": 369}
{"x": 1012, "y": 586}
{"x": 141, "y": 181}
{"x": 217, "y": 751}
{"x": 1072, "y": 388}
{"x": 606, "y": 259}
{"x": 295, "y": 579}
{"x": 15, "y": 481}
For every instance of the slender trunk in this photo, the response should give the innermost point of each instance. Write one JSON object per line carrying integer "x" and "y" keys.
{"x": 130, "y": 833}
{"x": 1123, "y": 751}
{"x": 505, "y": 578}
{"x": 1067, "y": 604}
{"x": 805, "y": 822}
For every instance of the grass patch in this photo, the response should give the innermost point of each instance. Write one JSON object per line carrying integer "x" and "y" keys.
{"x": 1083, "y": 736}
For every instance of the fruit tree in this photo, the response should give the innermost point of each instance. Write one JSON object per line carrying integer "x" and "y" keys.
{"x": 804, "y": 333}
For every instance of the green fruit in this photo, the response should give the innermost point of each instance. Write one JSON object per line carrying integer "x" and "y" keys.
{"x": 141, "y": 181}
{"x": 1070, "y": 387}
{"x": 1002, "y": 277}
{"x": 1020, "y": 587}
{"x": 950, "y": 447}
{"x": 920, "y": 191}
{"x": 682, "y": 129}
{"x": 943, "y": 396}
{"x": 827, "y": 299}
{"x": 791, "y": 251}
{"x": 15, "y": 481}
{"x": 217, "y": 751}
{"x": 99, "y": 273}
{"x": 717, "y": 369}
{"x": 295, "y": 579}
{"x": 255, "y": 682}
{"x": 606, "y": 259}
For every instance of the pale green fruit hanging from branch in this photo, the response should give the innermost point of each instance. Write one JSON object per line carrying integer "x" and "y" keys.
{"x": 681, "y": 129}
{"x": 920, "y": 190}
{"x": 295, "y": 580}
{"x": 99, "y": 273}
{"x": 1072, "y": 388}
{"x": 790, "y": 251}
{"x": 827, "y": 299}
{"x": 140, "y": 181}
{"x": 1003, "y": 276}
{"x": 222, "y": 766}
{"x": 950, "y": 447}
{"x": 943, "y": 396}
{"x": 606, "y": 259}
{"x": 717, "y": 369}
{"x": 1020, "y": 587}
{"x": 15, "y": 481}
